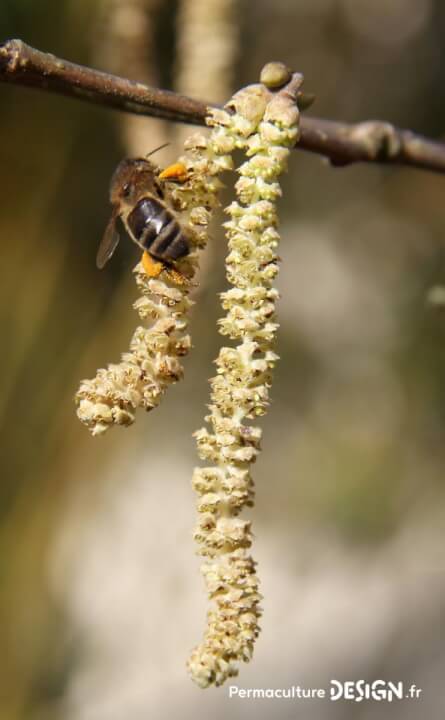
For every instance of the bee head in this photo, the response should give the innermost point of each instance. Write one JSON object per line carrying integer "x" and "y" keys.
{"x": 132, "y": 178}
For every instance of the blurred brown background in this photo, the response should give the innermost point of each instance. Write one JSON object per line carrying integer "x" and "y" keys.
{"x": 101, "y": 598}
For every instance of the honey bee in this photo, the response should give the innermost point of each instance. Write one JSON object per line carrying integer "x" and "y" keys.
{"x": 140, "y": 208}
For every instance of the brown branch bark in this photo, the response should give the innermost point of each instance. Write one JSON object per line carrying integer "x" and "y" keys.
{"x": 342, "y": 143}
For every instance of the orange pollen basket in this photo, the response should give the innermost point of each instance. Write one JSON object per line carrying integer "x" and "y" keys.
{"x": 152, "y": 267}
{"x": 177, "y": 172}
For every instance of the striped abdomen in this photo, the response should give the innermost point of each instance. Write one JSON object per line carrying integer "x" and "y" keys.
{"x": 156, "y": 229}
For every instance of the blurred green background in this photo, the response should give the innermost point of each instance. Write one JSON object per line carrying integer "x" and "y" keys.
{"x": 101, "y": 598}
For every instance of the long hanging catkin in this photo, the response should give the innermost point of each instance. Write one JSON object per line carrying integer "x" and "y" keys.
{"x": 265, "y": 125}
{"x": 153, "y": 361}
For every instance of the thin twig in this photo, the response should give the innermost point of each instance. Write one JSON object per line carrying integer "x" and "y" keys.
{"x": 341, "y": 143}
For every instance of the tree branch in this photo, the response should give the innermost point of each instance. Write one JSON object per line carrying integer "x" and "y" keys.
{"x": 341, "y": 143}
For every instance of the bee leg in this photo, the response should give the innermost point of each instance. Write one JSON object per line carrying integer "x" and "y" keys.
{"x": 176, "y": 173}
{"x": 153, "y": 268}
{"x": 177, "y": 277}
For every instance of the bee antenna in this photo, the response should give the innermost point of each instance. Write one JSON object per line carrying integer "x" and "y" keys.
{"x": 156, "y": 150}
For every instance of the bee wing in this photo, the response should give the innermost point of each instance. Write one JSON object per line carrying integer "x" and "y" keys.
{"x": 108, "y": 243}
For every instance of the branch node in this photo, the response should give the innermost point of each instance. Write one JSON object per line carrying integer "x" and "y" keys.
{"x": 380, "y": 140}
{"x": 11, "y": 55}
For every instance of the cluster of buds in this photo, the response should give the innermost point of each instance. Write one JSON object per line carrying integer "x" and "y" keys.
{"x": 263, "y": 120}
